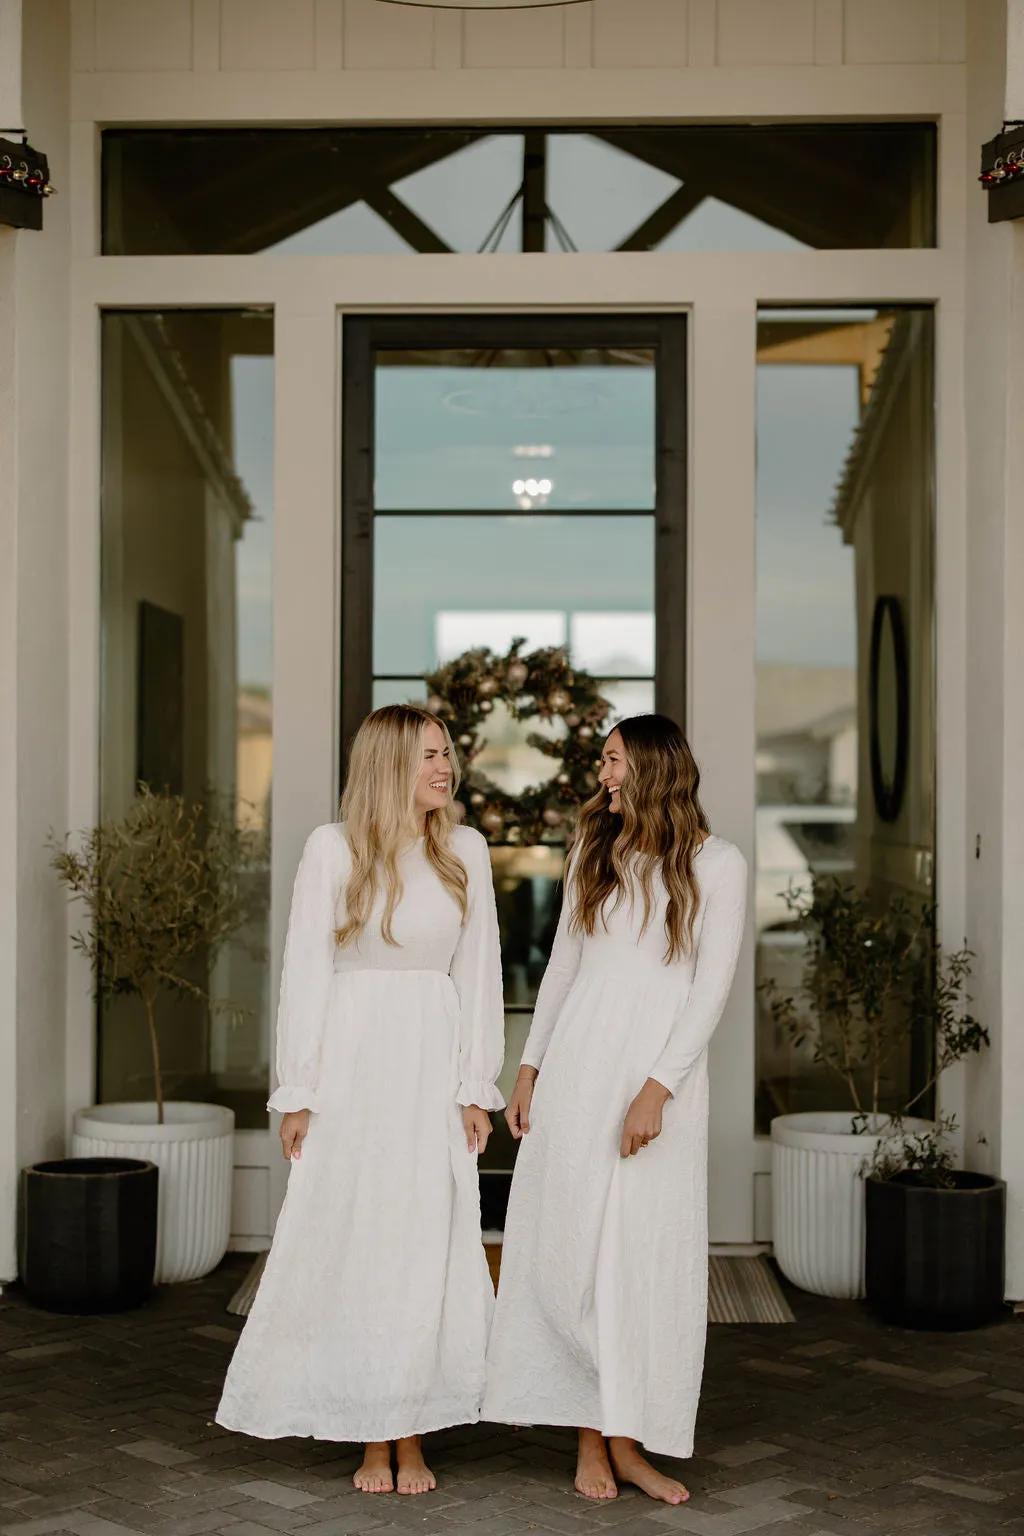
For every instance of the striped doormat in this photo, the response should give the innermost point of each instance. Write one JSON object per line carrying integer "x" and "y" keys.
{"x": 740, "y": 1290}
{"x": 745, "y": 1290}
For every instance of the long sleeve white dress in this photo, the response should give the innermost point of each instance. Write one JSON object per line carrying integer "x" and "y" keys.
{"x": 602, "y": 1302}
{"x": 371, "y": 1318}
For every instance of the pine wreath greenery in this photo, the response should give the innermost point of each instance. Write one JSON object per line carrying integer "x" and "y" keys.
{"x": 538, "y": 686}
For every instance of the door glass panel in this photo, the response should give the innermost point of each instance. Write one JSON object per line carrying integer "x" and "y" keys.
{"x": 443, "y": 585}
{"x": 537, "y": 431}
{"x": 187, "y": 545}
{"x": 844, "y": 517}
{"x": 514, "y": 495}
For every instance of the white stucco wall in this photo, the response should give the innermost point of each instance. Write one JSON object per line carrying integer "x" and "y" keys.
{"x": 994, "y": 852}
{"x": 34, "y": 301}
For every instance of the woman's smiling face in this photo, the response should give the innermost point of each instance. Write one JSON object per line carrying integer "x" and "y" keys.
{"x": 433, "y": 782}
{"x": 614, "y": 767}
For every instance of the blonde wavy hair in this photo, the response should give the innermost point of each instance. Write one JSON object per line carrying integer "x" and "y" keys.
{"x": 380, "y": 819}
{"x": 662, "y": 826}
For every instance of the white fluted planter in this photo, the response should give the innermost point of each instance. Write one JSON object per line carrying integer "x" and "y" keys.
{"x": 194, "y": 1151}
{"x": 818, "y": 1200}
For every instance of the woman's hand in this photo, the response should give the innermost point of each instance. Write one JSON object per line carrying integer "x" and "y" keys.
{"x": 294, "y": 1129}
{"x": 643, "y": 1118}
{"x": 518, "y": 1112}
{"x": 478, "y": 1127}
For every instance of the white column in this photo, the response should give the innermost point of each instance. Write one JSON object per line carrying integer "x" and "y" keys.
{"x": 994, "y": 391}
{"x": 306, "y": 607}
{"x": 721, "y": 725}
{"x": 33, "y": 608}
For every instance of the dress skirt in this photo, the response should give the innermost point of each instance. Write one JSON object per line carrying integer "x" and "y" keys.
{"x": 371, "y": 1318}
{"x": 602, "y": 1304}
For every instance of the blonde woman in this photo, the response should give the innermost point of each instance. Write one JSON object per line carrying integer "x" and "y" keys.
{"x": 371, "y": 1319}
{"x": 602, "y": 1302}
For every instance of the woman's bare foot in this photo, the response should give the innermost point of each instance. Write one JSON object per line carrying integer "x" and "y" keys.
{"x": 414, "y": 1476}
{"x": 594, "y": 1477}
{"x": 374, "y": 1476}
{"x": 631, "y": 1467}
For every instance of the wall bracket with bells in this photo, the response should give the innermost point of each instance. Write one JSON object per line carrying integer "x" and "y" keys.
{"x": 1002, "y": 173}
{"x": 539, "y": 686}
{"x": 24, "y": 184}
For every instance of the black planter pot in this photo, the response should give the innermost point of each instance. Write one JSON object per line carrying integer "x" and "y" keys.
{"x": 935, "y": 1257}
{"x": 88, "y": 1233}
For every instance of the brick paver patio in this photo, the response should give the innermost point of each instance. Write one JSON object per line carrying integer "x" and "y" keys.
{"x": 832, "y": 1427}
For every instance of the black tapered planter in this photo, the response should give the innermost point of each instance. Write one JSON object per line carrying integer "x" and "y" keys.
{"x": 935, "y": 1257}
{"x": 88, "y": 1233}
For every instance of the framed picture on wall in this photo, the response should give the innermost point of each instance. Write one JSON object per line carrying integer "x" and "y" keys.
{"x": 160, "y": 722}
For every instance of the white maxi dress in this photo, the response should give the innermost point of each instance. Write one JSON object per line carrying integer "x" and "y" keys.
{"x": 371, "y": 1318}
{"x": 602, "y": 1303}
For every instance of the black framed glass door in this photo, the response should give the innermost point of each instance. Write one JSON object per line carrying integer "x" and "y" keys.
{"x": 514, "y": 477}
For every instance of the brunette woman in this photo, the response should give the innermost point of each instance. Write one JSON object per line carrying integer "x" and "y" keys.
{"x": 602, "y": 1303}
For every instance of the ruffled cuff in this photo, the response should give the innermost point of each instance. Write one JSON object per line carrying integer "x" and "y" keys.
{"x": 288, "y": 1100}
{"x": 477, "y": 1091}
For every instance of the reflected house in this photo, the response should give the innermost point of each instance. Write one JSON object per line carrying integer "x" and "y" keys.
{"x": 806, "y": 734}
{"x": 363, "y": 334}
{"x": 255, "y": 757}
{"x": 180, "y": 521}
{"x": 818, "y": 812}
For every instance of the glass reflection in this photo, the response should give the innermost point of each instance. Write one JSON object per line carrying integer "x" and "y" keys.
{"x": 844, "y": 512}
{"x": 187, "y": 535}
{"x": 527, "y": 889}
{"x": 376, "y": 191}
{"x": 437, "y": 578}
{"x": 530, "y": 430}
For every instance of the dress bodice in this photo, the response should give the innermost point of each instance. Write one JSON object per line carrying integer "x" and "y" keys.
{"x": 426, "y": 924}
{"x": 696, "y": 984}
{"x": 430, "y": 936}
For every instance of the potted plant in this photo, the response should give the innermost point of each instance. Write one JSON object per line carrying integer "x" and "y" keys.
{"x": 164, "y": 889}
{"x": 874, "y": 979}
{"x": 935, "y": 1234}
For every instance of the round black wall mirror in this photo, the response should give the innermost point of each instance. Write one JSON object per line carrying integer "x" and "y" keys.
{"x": 888, "y": 707}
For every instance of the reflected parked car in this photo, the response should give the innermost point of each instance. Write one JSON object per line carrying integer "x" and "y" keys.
{"x": 794, "y": 843}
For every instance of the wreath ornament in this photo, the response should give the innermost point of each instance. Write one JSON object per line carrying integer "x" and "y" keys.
{"x": 539, "y": 686}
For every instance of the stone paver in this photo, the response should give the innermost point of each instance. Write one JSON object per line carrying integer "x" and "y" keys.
{"x": 835, "y": 1426}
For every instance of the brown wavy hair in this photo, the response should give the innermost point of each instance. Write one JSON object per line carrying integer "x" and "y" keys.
{"x": 380, "y": 820}
{"x": 661, "y": 827}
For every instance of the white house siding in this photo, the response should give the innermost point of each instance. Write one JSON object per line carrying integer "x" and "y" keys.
{"x": 307, "y": 61}
{"x": 34, "y": 293}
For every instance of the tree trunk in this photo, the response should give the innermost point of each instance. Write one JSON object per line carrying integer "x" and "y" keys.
{"x": 157, "y": 1080}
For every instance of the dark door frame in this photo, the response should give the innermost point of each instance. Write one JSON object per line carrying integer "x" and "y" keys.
{"x": 365, "y": 335}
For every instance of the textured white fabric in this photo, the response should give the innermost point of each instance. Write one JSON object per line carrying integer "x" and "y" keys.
{"x": 602, "y": 1302}
{"x": 371, "y": 1318}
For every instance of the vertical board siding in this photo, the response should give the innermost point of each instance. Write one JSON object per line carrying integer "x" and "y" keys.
{"x": 267, "y": 34}
{"x": 145, "y": 35}
{"x": 772, "y": 32}
{"x": 642, "y": 34}
{"x": 388, "y": 36}
{"x": 530, "y": 39}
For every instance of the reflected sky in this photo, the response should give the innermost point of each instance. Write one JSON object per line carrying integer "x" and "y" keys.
{"x": 806, "y": 419}
{"x": 599, "y": 193}
{"x": 542, "y": 565}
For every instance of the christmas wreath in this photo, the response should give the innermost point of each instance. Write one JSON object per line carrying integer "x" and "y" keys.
{"x": 538, "y": 686}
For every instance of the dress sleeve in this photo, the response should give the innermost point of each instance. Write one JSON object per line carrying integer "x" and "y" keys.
{"x": 476, "y": 972}
{"x": 718, "y": 949}
{"x": 556, "y": 981}
{"x": 306, "y": 976}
